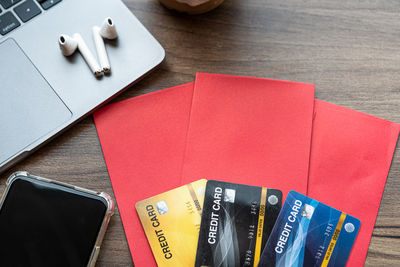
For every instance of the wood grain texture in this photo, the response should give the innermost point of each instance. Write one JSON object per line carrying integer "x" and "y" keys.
{"x": 349, "y": 49}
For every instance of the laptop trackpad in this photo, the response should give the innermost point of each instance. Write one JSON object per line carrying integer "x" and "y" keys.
{"x": 29, "y": 107}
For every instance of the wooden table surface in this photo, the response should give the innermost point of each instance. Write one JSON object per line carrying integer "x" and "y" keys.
{"x": 349, "y": 49}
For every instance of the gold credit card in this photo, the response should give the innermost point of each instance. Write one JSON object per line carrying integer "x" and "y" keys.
{"x": 171, "y": 221}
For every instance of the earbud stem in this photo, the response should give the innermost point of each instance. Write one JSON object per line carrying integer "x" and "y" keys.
{"x": 101, "y": 50}
{"x": 87, "y": 55}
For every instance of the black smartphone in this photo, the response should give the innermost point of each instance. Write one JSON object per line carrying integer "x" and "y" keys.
{"x": 48, "y": 223}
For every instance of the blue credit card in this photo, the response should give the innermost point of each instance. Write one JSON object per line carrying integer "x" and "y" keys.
{"x": 309, "y": 233}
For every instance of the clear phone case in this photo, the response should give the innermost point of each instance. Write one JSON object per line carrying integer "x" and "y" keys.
{"x": 105, "y": 196}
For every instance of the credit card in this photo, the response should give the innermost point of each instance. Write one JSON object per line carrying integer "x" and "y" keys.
{"x": 171, "y": 221}
{"x": 236, "y": 222}
{"x": 310, "y": 233}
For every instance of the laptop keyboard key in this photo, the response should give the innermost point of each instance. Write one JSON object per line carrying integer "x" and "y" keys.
{"x": 46, "y": 4}
{"x": 27, "y": 10}
{"x": 8, "y": 22}
{"x": 8, "y": 3}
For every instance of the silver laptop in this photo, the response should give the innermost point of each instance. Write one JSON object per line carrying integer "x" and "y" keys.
{"x": 41, "y": 91}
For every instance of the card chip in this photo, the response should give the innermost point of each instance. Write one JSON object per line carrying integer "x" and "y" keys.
{"x": 307, "y": 211}
{"x": 162, "y": 207}
{"x": 229, "y": 195}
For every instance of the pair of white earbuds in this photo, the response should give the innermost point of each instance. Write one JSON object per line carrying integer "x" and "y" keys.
{"x": 69, "y": 45}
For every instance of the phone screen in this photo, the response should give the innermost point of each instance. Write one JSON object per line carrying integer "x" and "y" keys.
{"x": 45, "y": 224}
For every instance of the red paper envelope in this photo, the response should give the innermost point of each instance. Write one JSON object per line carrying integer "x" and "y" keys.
{"x": 351, "y": 153}
{"x": 143, "y": 141}
{"x": 251, "y": 131}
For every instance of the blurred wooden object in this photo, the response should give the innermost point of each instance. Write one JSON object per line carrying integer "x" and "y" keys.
{"x": 192, "y": 7}
{"x": 349, "y": 49}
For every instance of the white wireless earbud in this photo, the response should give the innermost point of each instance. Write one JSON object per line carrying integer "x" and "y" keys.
{"x": 69, "y": 45}
{"x": 107, "y": 31}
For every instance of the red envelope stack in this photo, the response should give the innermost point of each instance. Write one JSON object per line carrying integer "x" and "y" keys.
{"x": 246, "y": 130}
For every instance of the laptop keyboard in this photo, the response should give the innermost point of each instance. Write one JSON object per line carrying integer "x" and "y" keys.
{"x": 15, "y": 12}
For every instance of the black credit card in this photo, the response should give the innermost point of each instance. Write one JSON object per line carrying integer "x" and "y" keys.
{"x": 236, "y": 223}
